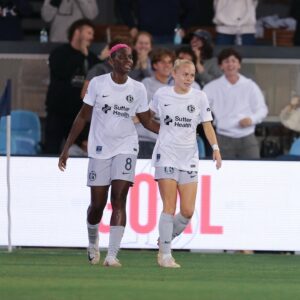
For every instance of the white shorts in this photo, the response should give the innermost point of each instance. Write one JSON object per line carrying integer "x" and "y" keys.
{"x": 182, "y": 177}
{"x": 101, "y": 172}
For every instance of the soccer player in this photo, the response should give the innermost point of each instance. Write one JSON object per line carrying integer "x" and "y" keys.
{"x": 110, "y": 102}
{"x": 175, "y": 157}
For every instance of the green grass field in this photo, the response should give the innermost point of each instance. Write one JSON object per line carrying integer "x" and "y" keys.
{"x": 46, "y": 274}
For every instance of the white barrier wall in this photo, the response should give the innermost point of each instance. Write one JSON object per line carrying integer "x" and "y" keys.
{"x": 244, "y": 205}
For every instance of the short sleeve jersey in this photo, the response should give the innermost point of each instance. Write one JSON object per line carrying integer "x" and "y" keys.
{"x": 112, "y": 130}
{"x": 179, "y": 114}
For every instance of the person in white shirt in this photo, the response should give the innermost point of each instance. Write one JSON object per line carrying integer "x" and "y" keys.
{"x": 175, "y": 158}
{"x": 62, "y": 13}
{"x": 237, "y": 104}
{"x": 110, "y": 102}
{"x": 235, "y": 21}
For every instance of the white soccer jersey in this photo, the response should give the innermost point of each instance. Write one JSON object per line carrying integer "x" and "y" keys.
{"x": 112, "y": 130}
{"x": 179, "y": 115}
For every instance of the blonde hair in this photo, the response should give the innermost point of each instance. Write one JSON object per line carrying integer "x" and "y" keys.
{"x": 179, "y": 62}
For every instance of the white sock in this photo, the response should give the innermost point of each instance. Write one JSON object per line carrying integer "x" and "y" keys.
{"x": 93, "y": 234}
{"x": 179, "y": 224}
{"x": 115, "y": 237}
{"x": 165, "y": 232}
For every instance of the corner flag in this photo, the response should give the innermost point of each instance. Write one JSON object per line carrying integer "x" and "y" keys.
{"x": 5, "y": 108}
{"x": 5, "y": 100}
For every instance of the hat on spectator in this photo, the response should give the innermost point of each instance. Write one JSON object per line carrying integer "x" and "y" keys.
{"x": 202, "y": 34}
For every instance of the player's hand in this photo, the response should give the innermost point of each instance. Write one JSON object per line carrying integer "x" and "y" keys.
{"x": 217, "y": 158}
{"x": 62, "y": 162}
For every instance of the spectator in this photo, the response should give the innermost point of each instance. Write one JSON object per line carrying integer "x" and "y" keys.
{"x": 206, "y": 65}
{"x": 11, "y": 12}
{"x": 157, "y": 17}
{"x": 62, "y": 13}
{"x": 238, "y": 105}
{"x": 68, "y": 65}
{"x": 235, "y": 21}
{"x": 142, "y": 46}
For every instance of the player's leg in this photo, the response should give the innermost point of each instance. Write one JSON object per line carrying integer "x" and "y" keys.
{"x": 98, "y": 180}
{"x": 122, "y": 175}
{"x": 94, "y": 215}
{"x": 119, "y": 191}
{"x": 187, "y": 193}
{"x": 168, "y": 192}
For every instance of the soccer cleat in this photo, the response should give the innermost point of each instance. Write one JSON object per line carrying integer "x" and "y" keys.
{"x": 167, "y": 261}
{"x": 94, "y": 253}
{"x": 111, "y": 262}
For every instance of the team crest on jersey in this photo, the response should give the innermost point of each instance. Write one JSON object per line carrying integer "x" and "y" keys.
{"x": 98, "y": 149}
{"x": 168, "y": 120}
{"x": 92, "y": 176}
{"x": 208, "y": 109}
{"x": 169, "y": 170}
{"x": 129, "y": 98}
{"x": 157, "y": 157}
{"x": 191, "y": 108}
{"x": 106, "y": 108}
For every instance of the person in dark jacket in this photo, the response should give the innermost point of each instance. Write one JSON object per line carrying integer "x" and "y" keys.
{"x": 157, "y": 17}
{"x": 69, "y": 64}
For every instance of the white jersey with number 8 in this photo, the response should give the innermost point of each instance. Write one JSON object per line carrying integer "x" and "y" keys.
{"x": 112, "y": 130}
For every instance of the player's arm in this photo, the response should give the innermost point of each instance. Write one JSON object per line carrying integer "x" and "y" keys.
{"x": 82, "y": 118}
{"x": 212, "y": 139}
{"x": 84, "y": 88}
{"x": 146, "y": 118}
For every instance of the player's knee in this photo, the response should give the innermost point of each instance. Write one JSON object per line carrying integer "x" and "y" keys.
{"x": 169, "y": 210}
{"x": 187, "y": 213}
{"x": 97, "y": 207}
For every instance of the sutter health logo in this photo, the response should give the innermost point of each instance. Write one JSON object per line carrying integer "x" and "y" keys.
{"x": 106, "y": 108}
{"x": 179, "y": 121}
{"x": 121, "y": 111}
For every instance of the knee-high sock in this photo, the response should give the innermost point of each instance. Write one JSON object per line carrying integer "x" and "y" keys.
{"x": 115, "y": 237}
{"x": 165, "y": 232}
{"x": 179, "y": 224}
{"x": 93, "y": 234}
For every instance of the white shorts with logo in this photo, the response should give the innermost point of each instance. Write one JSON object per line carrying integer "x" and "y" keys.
{"x": 101, "y": 172}
{"x": 182, "y": 177}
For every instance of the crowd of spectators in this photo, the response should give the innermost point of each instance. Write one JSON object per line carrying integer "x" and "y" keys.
{"x": 73, "y": 65}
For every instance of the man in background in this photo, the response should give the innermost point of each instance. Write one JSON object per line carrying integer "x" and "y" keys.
{"x": 69, "y": 64}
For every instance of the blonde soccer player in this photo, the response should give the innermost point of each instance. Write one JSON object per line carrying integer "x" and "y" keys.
{"x": 175, "y": 157}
